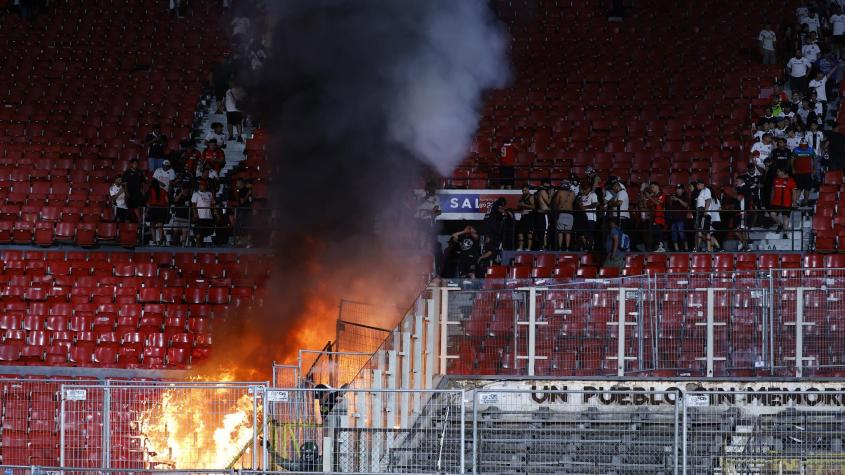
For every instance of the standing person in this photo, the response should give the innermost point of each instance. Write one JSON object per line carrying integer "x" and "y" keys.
{"x": 716, "y": 228}
{"x": 803, "y": 165}
{"x": 156, "y": 143}
{"x": 542, "y": 212}
{"x": 242, "y": 195}
{"x": 165, "y": 175}
{"x": 819, "y": 86}
{"x": 677, "y": 207}
{"x": 798, "y": 68}
{"x": 216, "y": 134}
{"x": 562, "y": 202}
{"x": 202, "y": 203}
{"x": 525, "y": 227}
{"x": 811, "y": 49}
{"x": 181, "y": 201}
{"x": 212, "y": 158}
{"x": 742, "y": 221}
{"x": 768, "y": 39}
{"x": 837, "y": 30}
{"x": 657, "y": 208}
{"x": 588, "y": 201}
{"x": 117, "y": 195}
{"x": 616, "y": 243}
{"x": 221, "y": 74}
{"x": 507, "y": 161}
{"x": 234, "y": 116}
{"x": 703, "y": 217}
{"x": 783, "y": 200}
{"x": 134, "y": 179}
{"x": 619, "y": 206}
{"x": 158, "y": 205}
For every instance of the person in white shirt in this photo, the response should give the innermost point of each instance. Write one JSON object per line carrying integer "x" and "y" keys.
{"x": 819, "y": 86}
{"x": 715, "y": 224}
{"x": 763, "y": 149}
{"x": 234, "y": 116}
{"x": 703, "y": 219}
{"x": 793, "y": 137}
{"x": 798, "y": 68}
{"x": 587, "y": 201}
{"x": 812, "y": 20}
{"x": 165, "y": 175}
{"x": 202, "y": 203}
{"x": 619, "y": 206}
{"x": 811, "y": 49}
{"x": 217, "y": 134}
{"x": 837, "y": 30}
{"x": 814, "y": 136}
{"x": 117, "y": 195}
{"x": 768, "y": 40}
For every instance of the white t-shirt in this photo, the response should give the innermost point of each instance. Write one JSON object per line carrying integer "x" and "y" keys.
{"x": 118, "y": 195}
{"x": 622, "y": 197}
{"x": 164, "y": 177}
{"x": 702, "y": 198}
{"x": 811, "y": 52}
{"x": 767, "y": 39}
{"x": 230, "y": 101}
{"x": 221, "y": 137}
{"x": 837, "y": 24}
{"x": 203, "y": 201}
{"x": 715, "y": 206}
{"x": 812, "y": 22}
{"x": 765, "y": 150}
{"x": 814, "y": 139}
{"x": 793, "y": 142}
{"x": 587, "y": 200}
{"x": 212, "y": 174}
{"x": 819, "y": 86}
{"x": 798, "y": 67}
{"x": 801, "y": 12}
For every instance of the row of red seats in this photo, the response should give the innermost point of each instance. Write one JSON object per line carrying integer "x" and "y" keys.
{"x": 829, "y": 217}
{"x": 567, "y": 266}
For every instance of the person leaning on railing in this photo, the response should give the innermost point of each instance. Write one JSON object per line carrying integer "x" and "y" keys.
{"x": 202, "y": 203}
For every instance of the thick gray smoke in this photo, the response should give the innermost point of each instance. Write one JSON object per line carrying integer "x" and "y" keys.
{"x": 362, "y": 98}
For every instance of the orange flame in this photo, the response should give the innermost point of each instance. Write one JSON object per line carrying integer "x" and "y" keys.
{"x": 198, "y": 428}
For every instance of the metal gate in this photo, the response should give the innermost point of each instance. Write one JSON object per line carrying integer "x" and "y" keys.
{"x": 161, "y": 425}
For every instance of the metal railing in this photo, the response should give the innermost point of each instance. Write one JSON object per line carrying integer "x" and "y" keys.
{"x": 189, "y": 226}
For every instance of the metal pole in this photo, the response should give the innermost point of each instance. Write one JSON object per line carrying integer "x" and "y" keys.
{"x": 107, "y": 426}
{"x": 683, "y": 402}
{"x": 265, "y": 459}
{"x": 675, "y": 451}
{"x": 62, "y": 427}
{"x": 463, "y": 431}
{"x": 620, "y": 345}
{"x": 771, "y": 316}
{"x": 255, "y": 395}
{"x": 475, "y": 431}
{"x": 799, "y": 331}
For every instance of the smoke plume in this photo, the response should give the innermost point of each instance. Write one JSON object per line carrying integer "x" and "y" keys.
{"x": 361, "y": 99}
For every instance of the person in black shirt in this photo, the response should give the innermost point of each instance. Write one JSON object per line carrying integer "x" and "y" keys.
{"x": 677, "y": 207}
{"x": 182, "y": 190}
{"x": 241, "y": 198}
{"x": 466, "y": 246}
{"x": 156, "y": 143}
{"x": 779, "y": 158}
{"x": 134, "y": 178}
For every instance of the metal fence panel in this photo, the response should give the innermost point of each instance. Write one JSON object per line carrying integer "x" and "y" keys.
{"x": 551, "y": 431}
{"x": 766, "y": 431}
{"x": 160, "y": 426}
{"x": 357, "y": 431}
{"x": 285, "y": 376}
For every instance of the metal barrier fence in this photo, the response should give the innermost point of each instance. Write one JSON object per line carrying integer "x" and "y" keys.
{"x": 764, "y": 432}
{"x": 779, "y": 322}
{"x": 160, "y": 425}
{"x": 374, "y": 430}
{"x": 285, "y": 375}
{"x": 575, "y": 431}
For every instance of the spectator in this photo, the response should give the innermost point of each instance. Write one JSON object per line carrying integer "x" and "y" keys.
{"x": 742, "y": 222}
{"x": 242, "y": 195}
{"x": 466, "y": 250}
{"x": 134, "y": 179}
{"x": 525, "y": 226}
{"x": 657, "y": 210}
{"x": 819, "y": 86}
{"x": 117, "y": 195}
{"x": 189, "y": 158}
{"x": 783, "y": 200}
{"x": 212, "y": 158}
{"x": 619, "y": 206}
{"x": 811, "y": 49}
{"x": 426, "y": 212}
{"x": 542, "y": 212}
{"x": 677, "y": 207}
{"x": 221, "y": 74}
{"x": 837, "y": 30}
{"x": 803, "y": 165}
{"x": 562, "y": 203}
{"x": 587, "y": 201}
{"x": 812, "y": 21}
{"x": 164, "y": 175}
{"x": 798, "y": 68}
{"x": 182, "y": 192}
{"x": 716, "y": 228}
{"x": 616, "y": 244}
{"x": 794, "y": 136}
{"x": 156, "y": 143}
{"x": 507, "y": 161}
{"x": 761, "y": 150}
{"x": 210, "y": 176}
{"x": 814, "y": 136}
{"x": 234, "y": 116}
{"x": 202, "y": 203}
{"x": 216, "y": 134}
{"x": 158, "y": 205}
{"x": 767, "y": 40}
{"x": 703, "y": 218}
